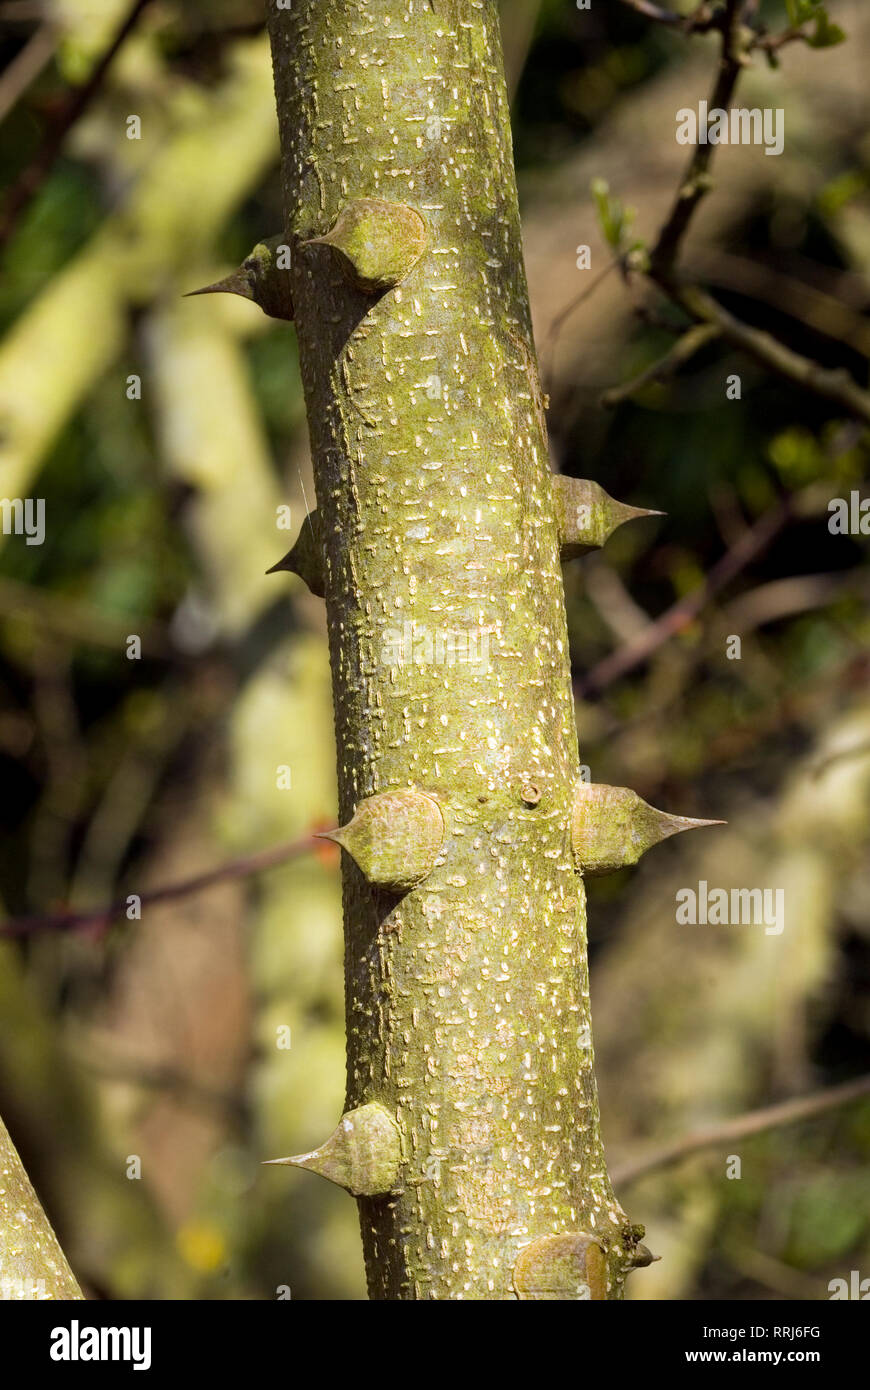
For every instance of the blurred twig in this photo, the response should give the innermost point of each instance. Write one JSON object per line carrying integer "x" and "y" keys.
{"x": 836, "y": 385}
{"x": 817, "y": 309}
{"x": 748, "y": 546}
{"x": 787, "y": 1112}
{"x": 26, "y": 67}
{"x": 33, "y": 176}
{"x": 613, "y": 602}
{"x": 697, "y": 22}
{"x": 556, "y": 324}
{"x": 98, "y": 918}
{"x": 65, "y": 768}
{"x": 78, "y": 622}
{"x": 166, "y": 1078}
{"x": 697, "y": 181}
{"x": 692, "y": 341}
{"x": 782, "y": 598}
{"x": 857, "y": 750}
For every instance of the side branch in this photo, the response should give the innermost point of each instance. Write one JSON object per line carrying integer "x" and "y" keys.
{"x": 98, "y": 919}
{"x": 697, "y": 179}
{"x": 834, "y": 384}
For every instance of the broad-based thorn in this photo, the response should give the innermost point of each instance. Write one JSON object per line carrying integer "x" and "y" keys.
{"x": 612, "y": 827}
{"x": 363, "y": 1154}
{"x": 305, "y": 556}
{"x": 587, "y": 515}
{"x": 395, "y": 837}
{"x": 263, "y": 277}
{"x": 378, "y": 243}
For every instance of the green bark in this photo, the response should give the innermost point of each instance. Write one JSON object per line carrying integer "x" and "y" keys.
{"x": 466, "y": 994}
{"x": 32, "y": 1264}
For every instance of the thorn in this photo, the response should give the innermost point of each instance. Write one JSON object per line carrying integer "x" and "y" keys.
{"x": 378, "y": 243}
{"x": 363, "y": 1154}
{"x": 642, "y": 1257}
{"x": 263, "y": 277}
{"x": 394, "y": 837}
{"x": 612, "y": 827}
{"x": 587, "y": 515}
{"x": 237, "y": 283}
{"x": 305, "y": 556}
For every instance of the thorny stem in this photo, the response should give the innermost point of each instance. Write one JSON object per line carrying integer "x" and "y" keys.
{"x": 467, "y": 993}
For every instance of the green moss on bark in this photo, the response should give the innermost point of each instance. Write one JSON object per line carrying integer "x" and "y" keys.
{"x": 467, "y": 996}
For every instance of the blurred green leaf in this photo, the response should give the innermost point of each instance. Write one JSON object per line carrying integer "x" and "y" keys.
{"x": 613, "y": 218}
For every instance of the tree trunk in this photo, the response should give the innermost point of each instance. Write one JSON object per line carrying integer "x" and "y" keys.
{"x": 471, "y": 1135}
{"x": 32, "y": 1264}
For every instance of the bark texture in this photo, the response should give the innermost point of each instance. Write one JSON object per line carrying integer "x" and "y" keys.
{"x": 467, "y": 995}
{"x": 32, "y": 1264}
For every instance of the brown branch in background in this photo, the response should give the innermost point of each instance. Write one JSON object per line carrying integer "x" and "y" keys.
{"x": 164, "y": 1077}
{"x": 26, "y": 67}
{"x": 785, "y": 598}
{"x": 697, "y": 179}
{"x": 857, "y": 750}
{"x": 100, "y": 918}
{"x": 788, "y": 1112}
{"x": 836, "y": 385}
{"x": 31, "y": 178}
{"x": 691, "y": 342}
{"x": 772, "y": 43}
{"x": 815, "y": 308}
{"x": 556, "y": 324}
{"x": 746, "y": 548}
{"x": 79, "y": 622}
{"x": 833, "y": 384}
